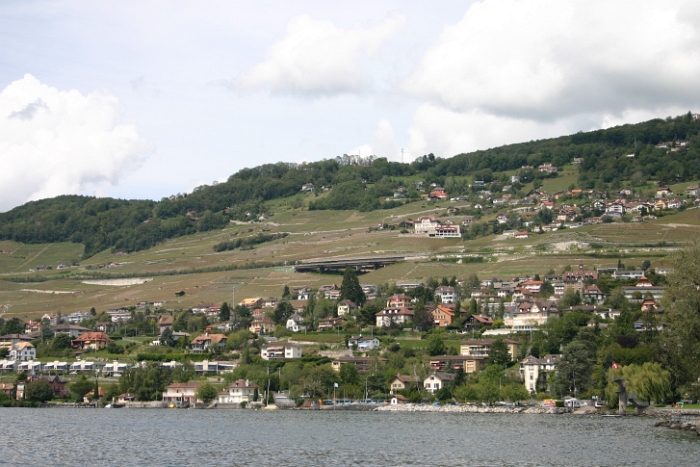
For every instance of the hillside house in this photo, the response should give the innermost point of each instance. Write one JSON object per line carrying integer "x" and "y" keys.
{"x": 280, "y": 351}
{"x": 442, "y": 316}
{"x": 346, "y": 307}
{"x": 91, "y": 341}
{"x": 208, "y": 343}
{"x": 395, "y": 316}
{"x": 446, "y": 294}
{"x": 437, "y": 381}
{"x": 363, "y": 343}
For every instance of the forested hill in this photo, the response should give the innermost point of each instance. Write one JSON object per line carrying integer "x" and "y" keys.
{"x": 130, "y": 225}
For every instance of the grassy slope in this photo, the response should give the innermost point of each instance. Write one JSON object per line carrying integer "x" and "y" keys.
{"x": 313, "y": 234}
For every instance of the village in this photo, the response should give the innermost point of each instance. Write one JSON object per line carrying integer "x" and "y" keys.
{"x": 412, "y": 343}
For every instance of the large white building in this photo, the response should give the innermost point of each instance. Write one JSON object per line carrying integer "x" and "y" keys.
{"x": 426, "y": 225}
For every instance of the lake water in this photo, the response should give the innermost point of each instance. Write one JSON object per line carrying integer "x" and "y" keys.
{"x": 99, "y": 437}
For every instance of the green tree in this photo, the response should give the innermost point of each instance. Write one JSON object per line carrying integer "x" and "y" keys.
{"x": 570, "y": 298}
{"x": 38, "y": 391}
{"x": 61, "y": 341}
{"x": 224, "y": 312}
{"x": 649, "y": 381}
{"x": 436, "y": 345}
{"x": 350, "y": 288}
{"x": 183, "y": 373}
{"x": 573, "y": 373}
{"x": 681, "y": 345}
{"x": 350, "y": 374}
{"x": 286, "y": 293}
{"x": 283, "y": 311}
{"x": 422, "y": 320}
{"x": 47, "y": 331}
{"x": 473, "y": 282}
{"x": 207, "y": 392}
{"x": 166, "y": 338}
{"x": 498, "y": 353}
{"x": 81, "y": 387}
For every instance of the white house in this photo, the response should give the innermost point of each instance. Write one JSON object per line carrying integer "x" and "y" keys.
{"x": 22, "y": 351}
{"x": 239, "y": 391}
{"x": 294, "y": 323}
{"x": 280, "y": 351}
{"x": 437, "y": 381}
{"x": 446, "y": 294}
{"x": 363, "y": 343}
{"x": 346, "y": 307}
{"x": 536, "y": 370}
{"x": 396, "y": 316}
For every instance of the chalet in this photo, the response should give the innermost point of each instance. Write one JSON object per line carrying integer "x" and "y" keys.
{"x": 208, "y": 343}
{"x": 442, "y": 316}
{"x": 405, "y": 383}
{"x": 692, "y": 191}
{"x": 307, "y": 187}
{"x": 437, "y": 381}
{"x": 262, "y": 324}
{"x": 466, "y": 220}
{"x": 165, "y": 322}
{"x": 346, "y": 307}
{"x": 475, "y": 322}
{"x": 91, "y": 341}
{"x": 663, "y": 192}
{"x": 521, "y": 235}
{"x": 22, "y": 351}
{"x": 294, "y": 323}
{"x": 330, "y": 323}
{"x": 592, "y": 294}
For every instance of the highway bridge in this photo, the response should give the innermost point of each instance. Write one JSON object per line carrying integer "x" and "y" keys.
{"x": 359, "y": 264}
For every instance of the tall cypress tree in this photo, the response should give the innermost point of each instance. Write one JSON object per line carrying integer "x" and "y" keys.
{"x": 350, "y": 288}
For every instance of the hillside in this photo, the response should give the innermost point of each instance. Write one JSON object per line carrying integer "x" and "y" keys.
{"x": 661, "y": 151}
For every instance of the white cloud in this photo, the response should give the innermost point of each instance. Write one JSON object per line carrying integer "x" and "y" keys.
{"x": 383, "y": 144}
{"x": 446, "y": 133}
{"x": 553, "y": 59}
{"x": 317, "y": 58}
{"x": 58, "y": 142}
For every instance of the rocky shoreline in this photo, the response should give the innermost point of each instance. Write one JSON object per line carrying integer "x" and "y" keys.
{"x": 471, "y": 409}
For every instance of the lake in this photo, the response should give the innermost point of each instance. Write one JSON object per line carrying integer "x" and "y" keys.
{"x": 99, "y": 437}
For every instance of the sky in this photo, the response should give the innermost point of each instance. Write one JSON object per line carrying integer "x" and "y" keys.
{"x": 145, "y": 99}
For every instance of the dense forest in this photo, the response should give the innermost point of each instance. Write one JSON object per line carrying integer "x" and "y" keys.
{"x": 664, "y": 150}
